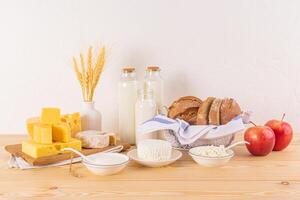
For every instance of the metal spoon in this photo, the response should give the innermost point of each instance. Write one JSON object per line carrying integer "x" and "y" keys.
{"x": 91, "y": 161}
{"x": 237, "y": 143}
{"x": 80, "y": 154}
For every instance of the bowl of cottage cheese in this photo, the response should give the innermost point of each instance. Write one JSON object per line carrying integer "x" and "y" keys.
{"x": 211, "y": 156}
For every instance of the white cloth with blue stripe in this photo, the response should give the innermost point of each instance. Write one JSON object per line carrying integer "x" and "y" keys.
{"x": 187, "y": 134}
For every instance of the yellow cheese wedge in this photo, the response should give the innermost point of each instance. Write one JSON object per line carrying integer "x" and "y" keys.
{"x": 61, "y": 132}
{"x": 50, "y": 115}
{"x": 38, "y": 150}
{"x": 73, "y": 143}
{"x": 74, "y": 121}
{"x": 30, "y": 123}
{"x": 42, "y": 133}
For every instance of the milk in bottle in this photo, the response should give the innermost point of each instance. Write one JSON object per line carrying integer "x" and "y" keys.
{"x": 128, "y": 86}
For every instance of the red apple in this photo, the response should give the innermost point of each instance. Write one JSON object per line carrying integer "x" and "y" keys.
{"x": 283, "y": 133}
{"x": 261, "y": 139}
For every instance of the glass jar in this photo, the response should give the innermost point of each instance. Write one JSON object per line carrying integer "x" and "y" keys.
{"x": 145, "y": 109}
{"x": 153, "y": 81}
{"x": 128, "y": 87}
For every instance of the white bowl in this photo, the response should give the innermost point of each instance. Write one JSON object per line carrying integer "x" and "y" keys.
{"x": 106, "y": 163}
{"x": 212, "y": 161}
{"x": 175, "y": 156}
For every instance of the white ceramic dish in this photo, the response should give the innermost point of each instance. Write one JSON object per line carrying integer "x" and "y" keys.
{"x": 175, "y": 156}
{"x": 106, "y": 163}
{"x": 212, "y": 161}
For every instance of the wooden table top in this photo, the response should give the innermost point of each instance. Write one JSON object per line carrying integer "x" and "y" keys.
{"x": 276, "y": 176}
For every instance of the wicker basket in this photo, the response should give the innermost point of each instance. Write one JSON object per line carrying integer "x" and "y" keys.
{"x": 170, "y": 136}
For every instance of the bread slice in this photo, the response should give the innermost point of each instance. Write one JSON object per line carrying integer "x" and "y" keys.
{"x": 202, "y": 115}
{"x": 182, "y": 105}
{"x": 214, "y": 113}
{"x": 229, "y": 110}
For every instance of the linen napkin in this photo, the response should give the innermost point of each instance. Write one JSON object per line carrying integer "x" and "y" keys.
{"x": 187, "y": 134}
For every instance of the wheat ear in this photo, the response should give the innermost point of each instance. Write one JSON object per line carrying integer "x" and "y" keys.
{"x": 84, "y": 77}
{"x": 90, "y": 72}
{"x": 78, "y": 75}
{"x": 98, "y": 69}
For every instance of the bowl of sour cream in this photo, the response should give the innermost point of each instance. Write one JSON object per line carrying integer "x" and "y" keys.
{"x": 211, "y": 156}
{"x": 104, "y": 164}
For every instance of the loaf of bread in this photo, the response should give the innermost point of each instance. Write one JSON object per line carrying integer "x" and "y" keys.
{"x": 185, "y": 108}
{"x": 212, "y": 111}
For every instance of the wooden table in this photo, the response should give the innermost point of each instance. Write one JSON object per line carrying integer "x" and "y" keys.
{"x": 276, "y": 176}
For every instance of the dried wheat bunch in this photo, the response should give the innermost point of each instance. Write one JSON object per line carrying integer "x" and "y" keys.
{"x": 89, "y": 74}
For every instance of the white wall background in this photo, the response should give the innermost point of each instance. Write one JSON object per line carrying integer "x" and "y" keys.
{"x": 246, "y": 49}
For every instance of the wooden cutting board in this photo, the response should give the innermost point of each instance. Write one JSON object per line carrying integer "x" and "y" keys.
{"x": 16, "y": 150}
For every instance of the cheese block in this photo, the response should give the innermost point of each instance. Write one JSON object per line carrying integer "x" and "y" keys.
{"x": 42, "y": 133}
{"x": 50, "y": 115}
{"x": 96, "y": 139}
{"x": 38, "y": 150}
{"x": 30, "y": 123}
{"x": 73, "y": 143}
{"x": 74, "y": 121}
{"x": 61, "y": 132}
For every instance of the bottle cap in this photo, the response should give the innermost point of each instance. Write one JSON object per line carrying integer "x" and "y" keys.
{"x": 128, "y": 69}
{"x": 153, "y": 68}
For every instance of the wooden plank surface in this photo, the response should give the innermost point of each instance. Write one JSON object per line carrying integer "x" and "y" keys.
{"x": 276, "y": 176}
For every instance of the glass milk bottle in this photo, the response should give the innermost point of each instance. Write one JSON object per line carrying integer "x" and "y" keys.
{"x": 153, "y": 81}
{"x": 145, "y": 109}
{"x": 126, "y": 103}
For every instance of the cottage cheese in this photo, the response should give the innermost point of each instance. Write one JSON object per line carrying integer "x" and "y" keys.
{"x": 210, "y": 151}
{"x": 154, "y": 150}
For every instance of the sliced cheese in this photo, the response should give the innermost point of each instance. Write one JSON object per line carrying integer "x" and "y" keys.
{"x": 38, "y": 150}
{"x": 61, "y": 132}
{"x": 50, "y": 115}
{"x": 42, "y": 133}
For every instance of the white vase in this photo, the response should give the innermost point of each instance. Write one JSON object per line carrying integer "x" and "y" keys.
{"x": 90, "y": 117}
